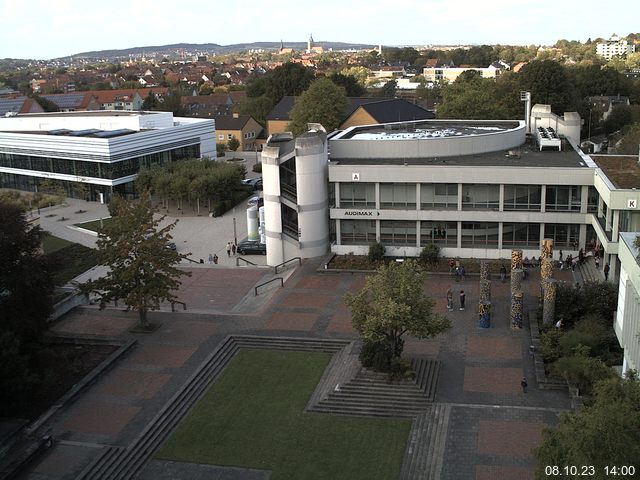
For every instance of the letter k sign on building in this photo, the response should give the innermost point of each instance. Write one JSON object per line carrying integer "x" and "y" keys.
{"x": 632, "y": 203}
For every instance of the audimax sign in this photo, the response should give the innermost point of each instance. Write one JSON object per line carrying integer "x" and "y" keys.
{"x": 361, "y": 213}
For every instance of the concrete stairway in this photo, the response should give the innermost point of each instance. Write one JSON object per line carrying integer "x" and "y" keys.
{"x": 372, "y": 394}
{"x": 118, "y": 463}
{"x": 587, "y": 271}
{"x": 423, "y": 457}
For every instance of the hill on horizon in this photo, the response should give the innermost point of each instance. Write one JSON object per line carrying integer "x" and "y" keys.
{"x": 212, "y": 48}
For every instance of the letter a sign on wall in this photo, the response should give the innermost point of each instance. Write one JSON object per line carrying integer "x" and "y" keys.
{"x": 355, "y": 177}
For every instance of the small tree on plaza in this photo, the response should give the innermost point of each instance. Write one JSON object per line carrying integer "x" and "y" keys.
{"x": 391, "y": 304}
{"x": 142, "y": 268}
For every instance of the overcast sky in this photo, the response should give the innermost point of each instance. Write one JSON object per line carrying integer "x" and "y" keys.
{"x": 54, "y": 28}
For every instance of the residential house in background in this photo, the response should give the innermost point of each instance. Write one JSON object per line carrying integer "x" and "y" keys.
{"x": 14, "y": 105}
{"x": 74, "y": 102}
{"x": 450, "y": 74}
{"x": 242, "y": 127}
{"x": 211, "y": 105}
{"x": 359, "y": 111}
{"x": 614, "y": 47}
{"x": 605, "y": 104}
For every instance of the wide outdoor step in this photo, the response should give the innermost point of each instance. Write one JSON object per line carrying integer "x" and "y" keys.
{"x": 366, "y": 412}
{"x": 381, "y": 391}
{"x": 377, "y": 401}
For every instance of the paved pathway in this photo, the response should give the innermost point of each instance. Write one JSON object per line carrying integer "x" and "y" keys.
{"x": 492, "y": 425}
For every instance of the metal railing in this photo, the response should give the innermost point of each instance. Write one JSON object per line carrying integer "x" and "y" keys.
{"x": 173, "y": 305}
{"x": 286, "y": 262}
{"x": 244, "y": 260}
{"x": 255, "y": 290}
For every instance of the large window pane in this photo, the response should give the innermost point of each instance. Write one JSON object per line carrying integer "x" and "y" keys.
{"x": 398, "y": 195}
{"x": 442, "y": 233}
{"x": 522, "y": 197}
{"x": 362, "y": 195}
{"x": 482, "y": 234}
{"x": 357, "y": 232}
{"x": 563, "y": 198}
{"x": 480, "y": 197}
{"x": 563, "y": 235}
{"x": 398, "y": 232}
{"x": 520, "y": 235}
{"x": 439, "y": 196}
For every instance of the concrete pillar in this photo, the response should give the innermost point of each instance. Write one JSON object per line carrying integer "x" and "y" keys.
{"x": 546, "y": 269}
{"x": 500, "y": 233}
{"x": 484, "y": 270}
{"x": 517, "y": 301}
{"x": 459, "y": 197}
{"x": 546, "y": 248}
{"x": 485, "y": 291}
{"x": 615, "y": 222}
{"x": 584, "y": 199}
{"x": 517, "y": 275}
{"x": 459, "y": 240}
{"x": 501, "y": 202}
{"x": 582, "y": 236}
{"x": 543, "y": 198}
{"x": 377, "y": 197}
{"x": 549, "y": 301}
{"x": 484, "y": 314}
{"x": 336, "y": 192}
{"x": 516, "y": 259}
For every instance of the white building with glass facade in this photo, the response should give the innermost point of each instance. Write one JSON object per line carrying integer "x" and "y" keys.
{"x": 478, "y": 189}
{"x": 95, "y": 154}
{"x": 627, "y": 324}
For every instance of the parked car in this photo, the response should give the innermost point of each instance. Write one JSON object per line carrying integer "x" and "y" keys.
{"x": 255, "y": 202}
{"x": 254, "y": 183}
{"x": 254, "y": 247}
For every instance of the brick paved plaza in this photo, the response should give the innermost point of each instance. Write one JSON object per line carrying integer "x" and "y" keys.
{"x": 492, "y": 426}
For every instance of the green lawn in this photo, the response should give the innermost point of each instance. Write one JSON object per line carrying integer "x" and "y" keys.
{"x": 67, "y": 259}
{"x": 94, "y": 225}
{"x": 52, "y": 244}
{"x": 253, "y": 416}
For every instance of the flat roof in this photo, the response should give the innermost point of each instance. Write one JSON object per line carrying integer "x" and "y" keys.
{"x": 527, "y": 155}
{"x": 423, "y": 129}
{"x": 622, "y": 170}
{"x": 91, "y": 113}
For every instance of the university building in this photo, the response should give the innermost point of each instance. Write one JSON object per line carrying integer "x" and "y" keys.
{"x": 96, "y": 154}
{"x": 478, "y": 189}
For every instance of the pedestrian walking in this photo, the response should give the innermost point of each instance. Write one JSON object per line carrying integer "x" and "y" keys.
{"x": 215, "y": 259}
{"x": 228, "y": 248}
{"x": 462, "y": 298}
{"x": 503, "y": 273}
{"x": 560, "y": 256}
{"x": 524, "y": 385}
{"x": 233, "y": 248}
{"x": 450, "y": 300}
{"x": 597, "y": 262}
{"x": 462, "y": 272}
{"x": 606, "y": 271}
{"x": 210, "y": 259}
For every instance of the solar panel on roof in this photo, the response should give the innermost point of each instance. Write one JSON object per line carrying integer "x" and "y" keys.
{"x": 67, "y": 100}
{"x": 114, "y": 133}
{"x": 59, "y": 131}
{"x": 11, "y": 104}
{"x": 83, "y": 133}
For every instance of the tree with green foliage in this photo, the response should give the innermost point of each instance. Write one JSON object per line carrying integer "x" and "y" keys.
{"x": 471, "y": 97}
{"x": 360, "y": 73}
{"x": 143, "y": 270}
{"x": 324, "y": 102}
{"x": 630, "y": 140}
{"x": 392, "y": 304}
{"x": 619, "y": 117}
{"x": 287, "y": 79}
{"x": 46, "y": 104}
{"x": 233, "y": 144}
{"x": 388, "y": 90}
{"x": 26, "y": 285}
{"x": 548, "y": 83}
{"x": 598, "y": 299}
{"x": 604, "y": 434}
{"x": 376, "y": 252}
{"x": 430, "y": 254}
{"x": 350, "y": 84}
{"x": 151, "y": 102}
{"x": 221, "y": 148}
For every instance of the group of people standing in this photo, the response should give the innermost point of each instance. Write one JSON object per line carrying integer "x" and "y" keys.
{"x": 231, "y": 250}
{"x": 462, "y": 297}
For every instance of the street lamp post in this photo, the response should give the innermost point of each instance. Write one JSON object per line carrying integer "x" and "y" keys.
{"x": 235, "y": 235}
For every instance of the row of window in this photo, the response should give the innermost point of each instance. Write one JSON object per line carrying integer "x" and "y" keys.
{"x": 473, "y": 234}
{"x": 444, "y": 196}
{"x": 82, "y": 168}
{"x": 231, "y": 135}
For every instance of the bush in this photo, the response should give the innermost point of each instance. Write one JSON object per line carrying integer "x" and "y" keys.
{"x": 233, "y": 144}
{"x": 219, "y": 208}
{"x": 400, "y": 369}
{"x": 550, "y": 344}
{"x": 599, "y": 299}
{"x": 581, "y": 370}
{"x": 376, "y": 252}
{"x": 220, "y": 149}
{"x": 430, "y": 254}
{"x": 257, "y": 167}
